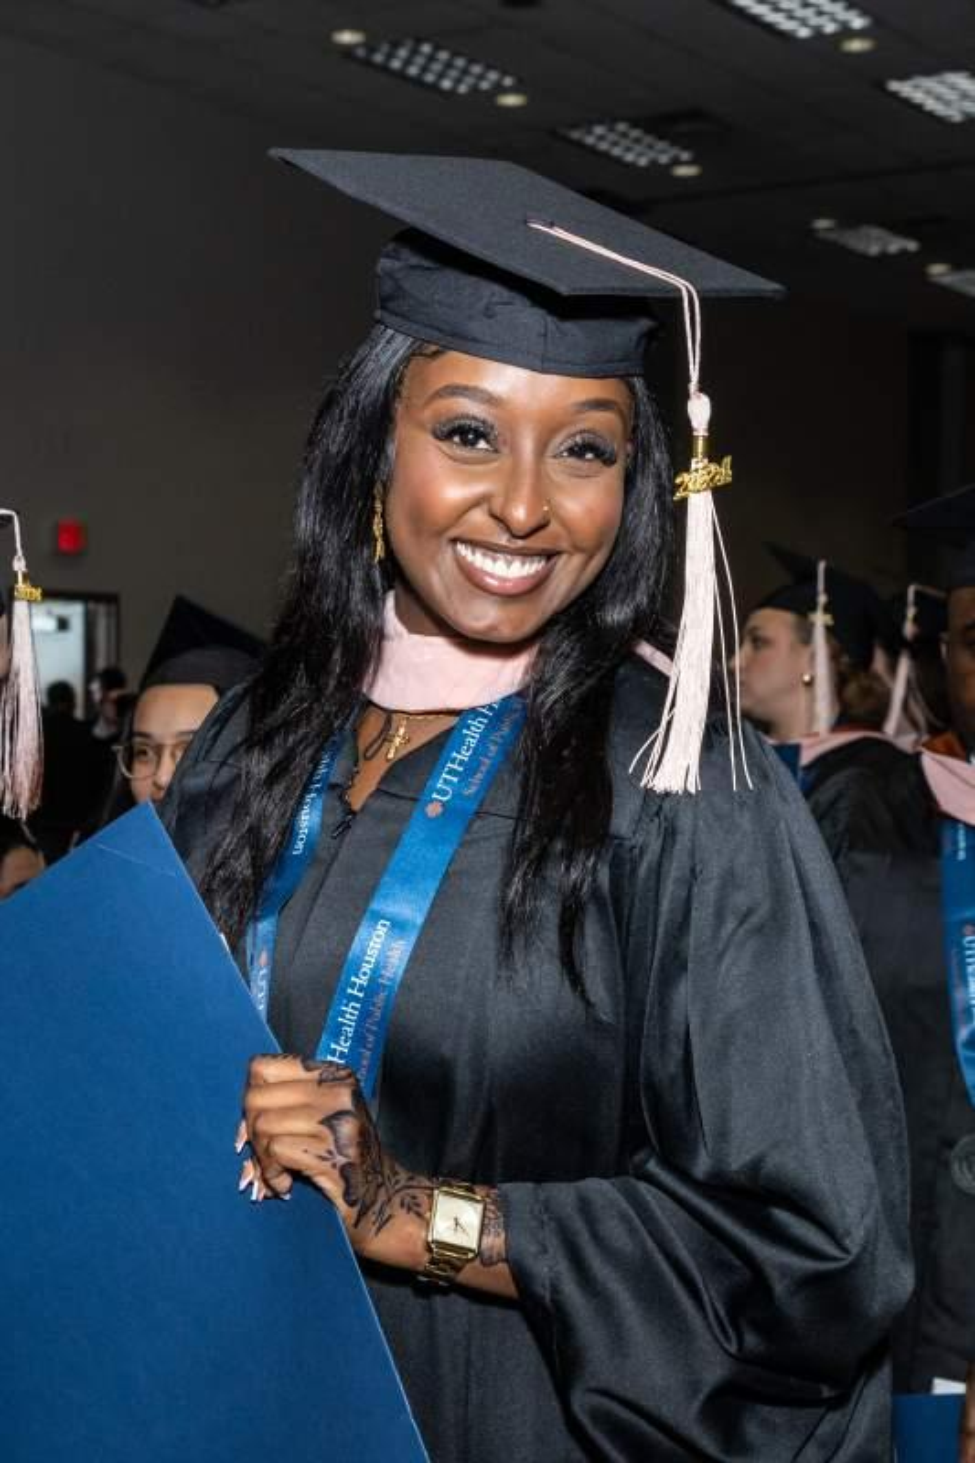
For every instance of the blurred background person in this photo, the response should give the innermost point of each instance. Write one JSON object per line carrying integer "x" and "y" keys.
{"x": 197, "y": 658}
{"x": 861, "y": 787}
{"x": 104, "y": 691}
{"x": 21, "y": 859}
{"x": 73, "y": 774}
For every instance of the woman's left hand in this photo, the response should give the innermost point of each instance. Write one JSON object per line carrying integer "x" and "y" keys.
{"x": 311, "y": 1119}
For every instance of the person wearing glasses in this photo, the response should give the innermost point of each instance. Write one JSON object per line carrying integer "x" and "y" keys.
{"x": 175, "y": 699}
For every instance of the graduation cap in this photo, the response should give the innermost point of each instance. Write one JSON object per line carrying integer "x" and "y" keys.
{"x": 840, "y": 605}
{"x": 501, "y": 263}
{"x": 859, "y": 619}
{"x": 21, "y": 737}
{"x": 198, "y": 648}
{"x": 950, "y": 520}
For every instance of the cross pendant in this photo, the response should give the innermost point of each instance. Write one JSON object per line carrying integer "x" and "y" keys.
{"x": 396, "y": 741}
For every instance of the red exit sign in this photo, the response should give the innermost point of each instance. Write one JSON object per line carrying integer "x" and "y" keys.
{"x": 71, "y": 536}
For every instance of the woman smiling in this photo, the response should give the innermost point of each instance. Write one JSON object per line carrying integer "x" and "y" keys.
{"x": 591, "y": 1073}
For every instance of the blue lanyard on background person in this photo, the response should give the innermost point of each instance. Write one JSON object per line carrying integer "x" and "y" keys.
{"x": 288, "y": 872}
{"x": 790, "y": 754}
{"x": 958, "y": 923}
{"x": 358, "y": 1019}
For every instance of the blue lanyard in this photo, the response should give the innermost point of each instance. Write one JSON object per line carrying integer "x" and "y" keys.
{"x": 358, "y": 1019}
{"x": 294, "y": 860}
{"x": 789, "y": 753}
{"x": 958, "y": 911}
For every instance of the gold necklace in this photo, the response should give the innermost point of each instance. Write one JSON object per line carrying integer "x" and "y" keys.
{"x": 395, "y": 732}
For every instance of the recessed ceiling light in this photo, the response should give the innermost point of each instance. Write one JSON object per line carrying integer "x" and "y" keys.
{"x": 803, "y": 19}
{"x": 686, "y": 170}
{"x": 960, "y": 280}
{"x": 511, "y": 99}
{"x": 627, "y": 143}
{"x": 348, "y": 37}
{"x": 858, "y": 45}
{"x": 871, "y": 240}
{"x": 823, "y": 223}
{"x": 948, "y": 95}
{"x": 934, "y": 271}
{"x": 427, "y": 63}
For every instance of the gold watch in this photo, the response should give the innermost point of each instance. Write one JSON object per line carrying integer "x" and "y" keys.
{"x": 453, "y": 1231}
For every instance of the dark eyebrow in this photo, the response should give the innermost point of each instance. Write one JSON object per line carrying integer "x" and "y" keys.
{"x": 601, "y": 403}
{"x": 472, "y": 393}
{"x": 148, "y": 737}
{"x": 488, "y": 398}
{"x": 967, "y": 628}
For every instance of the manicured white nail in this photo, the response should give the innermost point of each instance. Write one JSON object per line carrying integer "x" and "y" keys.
{"x": 255, "y": 1188}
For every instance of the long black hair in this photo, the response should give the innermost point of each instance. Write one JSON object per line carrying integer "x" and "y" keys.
{"x": 329, "y": 630}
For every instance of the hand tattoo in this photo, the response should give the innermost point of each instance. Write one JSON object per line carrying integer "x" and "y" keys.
{"x": 494, "y": 1250}
{"x": 374, "y": 1186}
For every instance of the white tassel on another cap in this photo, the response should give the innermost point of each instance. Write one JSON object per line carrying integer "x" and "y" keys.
{"x": 905, "y": 662}
{"x": 824, "y": 696}
{"x": 21, "y": 736}
{"x": 907, "y": 712}
{"x": 674, "y": 760}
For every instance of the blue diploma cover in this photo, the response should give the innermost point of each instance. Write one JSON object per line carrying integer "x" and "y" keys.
{"x": 151, "y": 1311}
{"x": 926, "y": 1428}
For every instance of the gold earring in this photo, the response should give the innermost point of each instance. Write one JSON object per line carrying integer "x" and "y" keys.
{"x": 807, "y": 678}
{"x": 378, "y": 528}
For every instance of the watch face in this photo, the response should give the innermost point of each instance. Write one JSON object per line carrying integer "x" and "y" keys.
{"x": 457, "y": 1221}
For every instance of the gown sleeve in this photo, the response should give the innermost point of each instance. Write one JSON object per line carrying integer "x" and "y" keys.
{"x": 729, "y": 1295}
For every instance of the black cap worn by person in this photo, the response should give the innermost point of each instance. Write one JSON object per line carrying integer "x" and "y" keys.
{"x": 501, "y": 263}
{"x": 950, "y": 520}
{"x": 198, "y": 648}
{"x": 857, "y": 617}
{"x": 477, "y": 272}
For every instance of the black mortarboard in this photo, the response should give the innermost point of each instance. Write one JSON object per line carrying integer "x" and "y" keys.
{"x": 473, "y": 274}
{"x": 860, "y": 618}
{"x": 198, "y": 648}
{"x": 949, "y": 519}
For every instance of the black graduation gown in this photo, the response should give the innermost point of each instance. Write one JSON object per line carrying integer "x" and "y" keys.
{"x": 880, "y": 823}
{"x": 703, "y": 1179}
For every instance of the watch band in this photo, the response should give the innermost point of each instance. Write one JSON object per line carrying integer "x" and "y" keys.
{"x": 445, "y": 1259}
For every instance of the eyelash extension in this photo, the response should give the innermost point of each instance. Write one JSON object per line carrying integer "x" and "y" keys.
{"x": 444, "y": 431}
{"x": 602, "y": 450}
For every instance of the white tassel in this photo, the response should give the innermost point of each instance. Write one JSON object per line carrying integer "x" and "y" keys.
{"x": 675, "y": 746}
{"x": 674, "y": 764}
{"x": 824, "y": 710}
{"x": 905, "y": 665}
{"x": 21, "y": 735}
